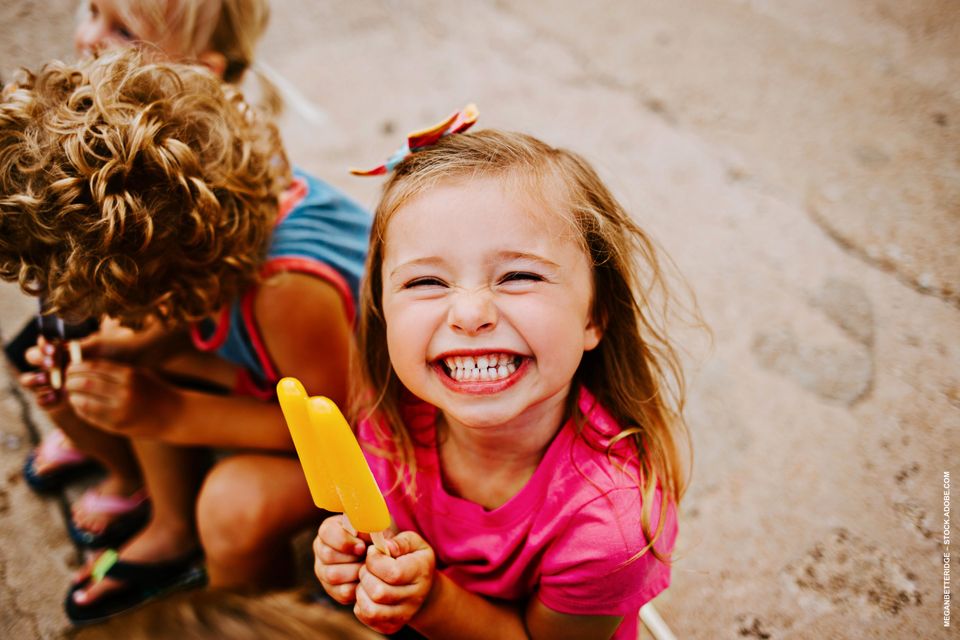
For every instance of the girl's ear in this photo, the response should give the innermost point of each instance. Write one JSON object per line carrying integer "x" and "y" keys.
{"x": 215, "y": 61}
{"x": 592, "y": 334}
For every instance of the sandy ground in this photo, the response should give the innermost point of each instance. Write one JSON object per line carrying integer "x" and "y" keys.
{"x": 799, "y": 162}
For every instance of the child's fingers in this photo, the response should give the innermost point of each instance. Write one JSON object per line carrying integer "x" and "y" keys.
{"x": 411, "y": 560}
{"x": 385, "y": 593}
{"x": 344, "y": 593}
{"x": 105, "y": 372}
{"x": 339, "y": 580}
{"x": 43, "y": 354}
{"x": 328, "y": 555}
{"x": 335, "y": 536}
{"x": 385, "y": 619}
{"x": 337, "y": 574}
{"x": 34, "y": 355}
{"x": 35, "y": 380}
{"x": 406, "y": 542}
{"x": 38, "y": 383}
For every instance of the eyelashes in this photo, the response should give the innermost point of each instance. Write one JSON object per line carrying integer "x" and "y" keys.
{"x": 424, "y": 282}
{"x": 513, "y": 276}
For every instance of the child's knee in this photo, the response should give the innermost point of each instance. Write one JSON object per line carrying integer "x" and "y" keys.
{"x": 232, "y": 511}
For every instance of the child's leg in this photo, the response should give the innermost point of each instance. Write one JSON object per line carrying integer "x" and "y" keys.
{"x": 114, "y": 452}
{"x": 172, "y": 476}
{"x": 249, "y": 509}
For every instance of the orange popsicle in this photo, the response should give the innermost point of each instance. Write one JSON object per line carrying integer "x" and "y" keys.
{"x": 310, "y": 448}
{"x": 362, "y": 501}
{"x": 337, "y": 474}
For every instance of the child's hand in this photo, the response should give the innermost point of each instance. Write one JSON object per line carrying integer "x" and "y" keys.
{"x": 392, "y": 590}
{"x": 119, "y": 397}
{"x": 44, "y": 356}
{"x": 115, "y": 342}
{"x": 338, "y": 556}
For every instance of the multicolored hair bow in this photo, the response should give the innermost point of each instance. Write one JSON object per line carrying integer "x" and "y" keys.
{"x": 457, "y": 122}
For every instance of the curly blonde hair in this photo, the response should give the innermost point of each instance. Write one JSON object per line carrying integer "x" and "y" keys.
{"x": 134, "y": 189}
{"x": 635, "y": 370}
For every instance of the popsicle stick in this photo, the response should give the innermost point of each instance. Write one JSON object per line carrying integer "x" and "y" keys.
{"x": 56, "y": 378}
{"x": 377, "y": 536}
{"x": 76, "y": 353}
{"x": 380, "y": 543}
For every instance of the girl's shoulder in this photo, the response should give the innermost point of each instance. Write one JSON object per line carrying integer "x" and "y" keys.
{"x": 596, "y": 451}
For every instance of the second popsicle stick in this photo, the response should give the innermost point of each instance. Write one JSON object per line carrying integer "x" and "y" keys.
{"x": 377, "y": 537}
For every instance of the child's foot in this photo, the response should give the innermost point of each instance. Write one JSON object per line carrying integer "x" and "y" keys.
{"x": 108, "y": 515}
{"x": 54, "y": 462}
{"x": 153, "y": 562}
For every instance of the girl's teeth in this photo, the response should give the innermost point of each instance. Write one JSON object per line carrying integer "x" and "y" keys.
{"x": 495, "y": 366}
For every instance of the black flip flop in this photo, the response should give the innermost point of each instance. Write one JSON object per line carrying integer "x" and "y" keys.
{"x": 142, "y": 582}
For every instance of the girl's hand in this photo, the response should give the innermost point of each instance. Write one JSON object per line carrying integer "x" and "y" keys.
{"x": 393, "y": 589}
{"x": 120, "y": 398}
{"x": 338, "y": 556}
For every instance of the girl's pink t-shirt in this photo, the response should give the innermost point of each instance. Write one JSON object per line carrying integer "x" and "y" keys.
{"x": 567, "y": 537}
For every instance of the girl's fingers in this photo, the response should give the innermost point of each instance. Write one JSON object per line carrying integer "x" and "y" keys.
{"x": 328, "y": 555}
{"x": 383, "y": 593}
{"x": 338, "y": 574}
{"x": 336, "y": 537}
{"x": 386, "y": 619}
{"x": 411, "y": 559}
{"x": 344, "y": 593}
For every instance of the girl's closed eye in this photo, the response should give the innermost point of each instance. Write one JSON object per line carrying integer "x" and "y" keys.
{"x": 424, "y": 281}
{"x": 521, "y": 277}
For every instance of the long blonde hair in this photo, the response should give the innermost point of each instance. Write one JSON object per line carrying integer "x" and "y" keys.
{"x": 634, "y": 372}
{"x": 229, "y": 27}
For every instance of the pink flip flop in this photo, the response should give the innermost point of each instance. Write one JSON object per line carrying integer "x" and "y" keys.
{"x": 67, "y": 463}
{"x": 129, "y": 514}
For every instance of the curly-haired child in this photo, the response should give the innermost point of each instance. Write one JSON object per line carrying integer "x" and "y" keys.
{"x": 221, "y": 35}
{"x": 521, "y": 402}
{"x": 149, "y": 193}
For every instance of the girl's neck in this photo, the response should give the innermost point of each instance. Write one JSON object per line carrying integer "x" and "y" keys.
{"x": 489, "y": 466}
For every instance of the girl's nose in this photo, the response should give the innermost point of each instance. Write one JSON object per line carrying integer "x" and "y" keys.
{"x": 473, "y": 312}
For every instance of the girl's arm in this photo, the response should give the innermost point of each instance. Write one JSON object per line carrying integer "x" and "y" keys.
{"x": 306, "y": 331}
{"x": 407, "y": 589}
{"x": 453, "y": 612}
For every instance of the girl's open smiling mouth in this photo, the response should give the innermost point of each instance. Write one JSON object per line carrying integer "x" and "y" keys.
{"x": 480, "y": 372}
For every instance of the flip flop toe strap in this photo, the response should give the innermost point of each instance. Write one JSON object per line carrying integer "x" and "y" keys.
{"x": 53, "y": 449}
{"x": 97, "y": 503}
